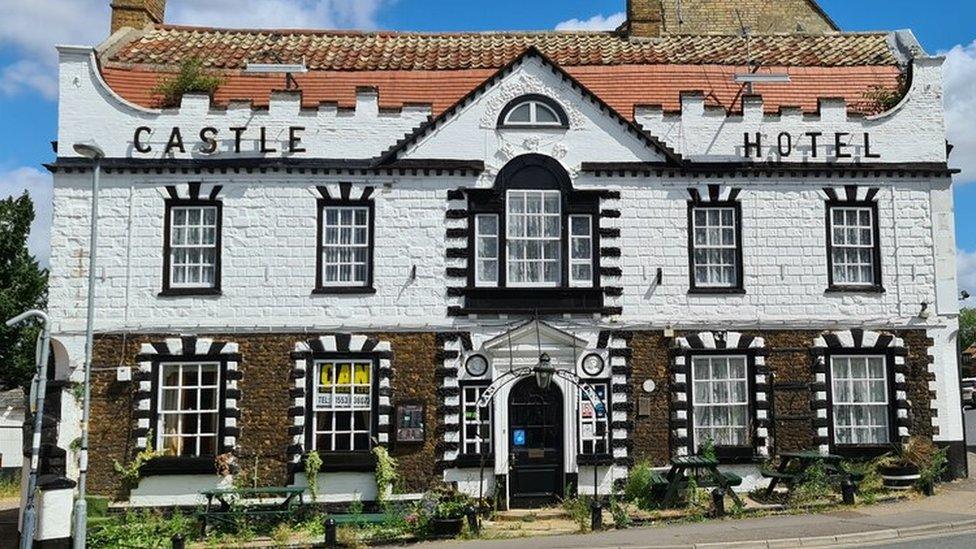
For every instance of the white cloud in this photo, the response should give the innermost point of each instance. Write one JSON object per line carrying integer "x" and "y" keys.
{"x": 960, "y": 105}
{"x": 38, "y": 185}
{"x": 595, "y": 23}
{"x": 30, "y": 29}
{"x": 966, "y": 270}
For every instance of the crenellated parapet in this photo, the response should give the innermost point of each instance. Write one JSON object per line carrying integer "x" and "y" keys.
{"x": 911, "y": 131}
{"x": 199, "y": 129}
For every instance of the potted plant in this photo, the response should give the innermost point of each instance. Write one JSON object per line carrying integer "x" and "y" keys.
{"x": 448, "y": 518}
{"x": 901, "y": 470}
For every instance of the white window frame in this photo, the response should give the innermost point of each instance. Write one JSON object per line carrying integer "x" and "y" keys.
{"x": 351, "y": 409}
{"x": 871, "y": 247}
{"x": 161, "y": 414}
{"x": 483, "y": 444}
{"x": 510, "y": 239}
{"x": 594, "y": 439}
{"x": 718, "y": 247}
{"x": 174, "y": 247}
{"x": 352, "y": 282}
{"x": 588, "y": 261}
{"x": 534, "y": 106}
{"x": 696, "y": 379}
{"x": 836, "y": 402}
{"x": 478, "y": 249}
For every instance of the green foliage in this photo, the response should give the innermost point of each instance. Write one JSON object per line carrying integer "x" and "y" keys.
{"x": 878, "y": 99}
{"x": 967, "y": 331}
{"x": 707, "y": 450}
{"x": 697, "y": 499}
{"x": 356, "y": 508}
{"x": 313, "y": 463}
{"x": 129, "y": 472}
{"x": 9, "y": 487}
{"x": 281, "y": 535}
{"x": 386, "y": 472}
{"x": 931, "y": 473}
{"x": 190, "y": 79}
{"x": 23, "y": 286}
{"x": 621, "y": 518}
{"x": 814, "y": 487}
{"x": 638, "y": 489}
{"x": 871, "y": 484}
{"x": 578, "y": 508}
{"x": 138, "y": 530}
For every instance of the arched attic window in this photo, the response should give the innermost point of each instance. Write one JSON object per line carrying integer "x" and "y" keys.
{"x": 533, "y": 111}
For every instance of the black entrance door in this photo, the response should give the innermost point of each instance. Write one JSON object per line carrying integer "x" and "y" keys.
{"x": 535, "y": 430}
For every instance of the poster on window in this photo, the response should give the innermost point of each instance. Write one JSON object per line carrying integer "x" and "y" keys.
{"x": 588, "y": 430}
{"x": 410, "y": 423}
{"x": 587, "y": 410}
{"x": 344, "y": 400}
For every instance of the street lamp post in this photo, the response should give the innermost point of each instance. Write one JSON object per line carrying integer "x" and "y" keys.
{"x": 29, "y": 525}
{"x": 94, "y": 153}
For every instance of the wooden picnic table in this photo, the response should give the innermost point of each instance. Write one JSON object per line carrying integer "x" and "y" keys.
{"x": 793, "y": 466}
{"x": 704, "y": 471}
{"x": 250, "y": 498}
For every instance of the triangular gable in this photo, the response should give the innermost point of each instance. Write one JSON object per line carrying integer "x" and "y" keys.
{"x": 534, "y": 331}
{"x": 631, "y": 127}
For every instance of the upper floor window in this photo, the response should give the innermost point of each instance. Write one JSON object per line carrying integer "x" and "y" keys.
{"x": 534, "y": 238}
{"x": 533, "y": 111}
{"x": 853, "y": 251}
{"x": 715, "y": 247}
{"x": 345, "y": 249}
{"x": 192, "y": 247}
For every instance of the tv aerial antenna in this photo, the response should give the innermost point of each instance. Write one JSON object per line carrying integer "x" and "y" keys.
{"x": 277, "y": 66}
{"x": 753, "y": 76}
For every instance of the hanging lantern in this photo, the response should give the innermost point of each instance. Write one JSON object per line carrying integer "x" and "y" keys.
{"x": 544, "y": 372}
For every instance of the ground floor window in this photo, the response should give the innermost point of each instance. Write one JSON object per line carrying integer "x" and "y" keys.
{"x": 593, "y": 420}
{"x": 720, "y": 400}
{"x": 860, "y": 400}
{"x": 342, "y": 414}
{"x": 189, "y": 409}
{"x": 475, "y": 423}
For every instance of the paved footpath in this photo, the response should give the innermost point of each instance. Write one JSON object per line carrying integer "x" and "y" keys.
{"x": 953, "y": 510}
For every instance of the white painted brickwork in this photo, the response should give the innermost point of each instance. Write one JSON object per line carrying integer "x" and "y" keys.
{"x": 269, "y": 219}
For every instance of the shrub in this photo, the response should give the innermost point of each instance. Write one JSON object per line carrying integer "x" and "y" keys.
{"x": 815, "y": 486}
{"x": 578, "y": 509}
{"x": 637, "y": 490}
{"x": 139, "y": 530}
{"x": 313, "y": 463}
{"x": 386, "y": 472}
{"x": 190, "y": 79}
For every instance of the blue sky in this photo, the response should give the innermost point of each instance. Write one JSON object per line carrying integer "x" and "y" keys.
{"x": 29, "y": 30}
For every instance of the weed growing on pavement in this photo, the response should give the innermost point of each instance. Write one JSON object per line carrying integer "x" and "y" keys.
{"x": 814, "y": 488}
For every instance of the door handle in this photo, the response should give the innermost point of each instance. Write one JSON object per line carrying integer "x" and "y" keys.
{"x": 512, "y": 459}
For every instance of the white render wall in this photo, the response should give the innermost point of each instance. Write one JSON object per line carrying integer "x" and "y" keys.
{"x": 269, "y": 231}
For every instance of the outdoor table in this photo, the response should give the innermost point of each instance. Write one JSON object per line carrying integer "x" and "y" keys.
{"x": 220, "y": 495}
{"x": 702, "y": 469}
{"x": 802, "y": 461}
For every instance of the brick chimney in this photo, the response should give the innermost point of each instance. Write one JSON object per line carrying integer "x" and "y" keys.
{"x": 137, "y": 14}
{"x": 645, "y": 17}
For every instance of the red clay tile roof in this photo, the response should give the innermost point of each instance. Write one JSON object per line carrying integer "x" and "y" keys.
{"x": 438, "y": 69}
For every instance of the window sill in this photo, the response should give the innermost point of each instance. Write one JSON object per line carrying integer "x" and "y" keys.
{"x": 717, "y": 291}
{"x": 474, "y": 460}
{"x": 168, "y": 465}
{"x": 191, "y": 292}
{"x": 532, "y": 300}
{"x": 855, "y": 290}
{"x": 346, "y": 462}
{"x": 862, "y": 452}
{"x": 597, "y": 459}
{"x": 535, "y": 127}
{"x": 353, "y": 290}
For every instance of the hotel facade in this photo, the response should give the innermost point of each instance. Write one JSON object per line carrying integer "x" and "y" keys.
{"x": 711, "y": 238}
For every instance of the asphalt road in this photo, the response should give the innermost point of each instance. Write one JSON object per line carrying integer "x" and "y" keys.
{"x": 959, "y": 541}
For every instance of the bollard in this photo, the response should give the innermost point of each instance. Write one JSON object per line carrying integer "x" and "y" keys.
{"x": 472, "y": 515}
{"x": 928, "y": 488}
{"x": 331, "y": 539}
{"x": 718, "y": 502}
{"x": 847, "y": 489}
{"x": 596, "y": 516}
{"x": 179, "y": 542}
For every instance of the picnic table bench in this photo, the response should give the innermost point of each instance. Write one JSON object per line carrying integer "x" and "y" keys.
{"x": 793, "y": 468}
{"x": 705, "y": 473}
{"x": 360, "y": 519}
{"x": 250, "y": 502}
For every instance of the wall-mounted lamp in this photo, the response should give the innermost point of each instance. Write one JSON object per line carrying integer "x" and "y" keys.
{"x": 964, "y": 295}
{"x": 660, "y": 276}
{"x": 925, "y": 313}
{"x": 544, "y": 371}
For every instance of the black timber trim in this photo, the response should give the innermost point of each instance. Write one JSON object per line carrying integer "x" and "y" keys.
{"x": 771, "y": 169}
{"x": 323, "y": 166}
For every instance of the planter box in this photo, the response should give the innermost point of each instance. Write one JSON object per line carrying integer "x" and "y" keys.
{"x": 899, "y": 478}
{"x": 447, "y": 528}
